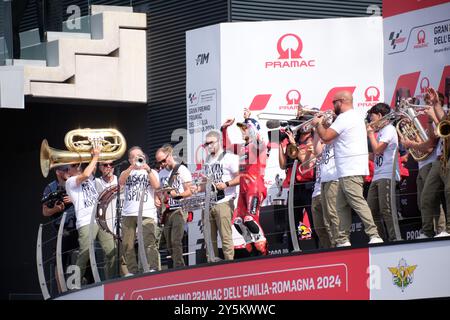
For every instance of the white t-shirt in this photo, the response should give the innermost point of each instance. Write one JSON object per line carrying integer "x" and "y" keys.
{"x": 101, "y": 184}
{"x": 84, "y": 199}
{"x": 135, "y": 185}
{"x": 350, "y": 146}
{"x": 384, "y": 162}
{"x": 327, "y": 164}
{"x": 317, "y": 188}
{"x": 437, "y": 151}
{"x": 183, "y": 176}
{"x": 222, "y": 171}
{"x": 110, "y": 213}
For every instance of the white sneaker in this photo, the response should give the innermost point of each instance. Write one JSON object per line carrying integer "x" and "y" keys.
{"x": 442, "y": 234}
{"x": 129, "y": 274}
{"x": 422, "y": 236}
{"x": 375, "y": 240}
{"x": 345, "y": 244}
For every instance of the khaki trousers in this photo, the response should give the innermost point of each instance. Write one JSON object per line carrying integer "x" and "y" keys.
{"x": 439, "y": 219}
{"x": 107, "y": 243}
{"x": 435, "y": 182}
{"x": 379, "y": 201}
{"x": 350, "y": 196}
{"x": 328, "y": 197}
{"x": 321, "y": 223}
{"x": 173, "y": 234}
{"x": 220, "y": 221}
{"x": 129, "y": 227}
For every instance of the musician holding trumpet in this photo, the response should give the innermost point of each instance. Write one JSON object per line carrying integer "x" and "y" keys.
{"x": 348, "y": 133}
{"x": 437, "y": 178}
{"x": 384, "y": 147}
{"x": 140, "y": 183}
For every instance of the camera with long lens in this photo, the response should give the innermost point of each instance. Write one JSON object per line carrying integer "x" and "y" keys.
{"x": 52, "y": 198}
{"x": 140, "y": 161}
{"x": 283, "y": 126}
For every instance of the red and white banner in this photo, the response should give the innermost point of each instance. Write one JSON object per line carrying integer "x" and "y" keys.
{"x": 403, "y": 271}
{"x": 396, "y": 7}
{"x": 332, "y": 275}
{"x": 272, "y": 67}
{"x": 416, "y": 45}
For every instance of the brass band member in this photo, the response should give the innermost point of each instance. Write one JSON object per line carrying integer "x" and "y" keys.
{"x": 384, "y": 148}
{"x": 322, "y": 225}
{"x": 348, "y": 133}
{"x": 81, "y": 189}
{"x": 223, "y": 167}
{"x": 329, "y": 187}
{"x": 140, "y": 183}
{"x": 437, "y": 179}
{"x": 177, "y": 176}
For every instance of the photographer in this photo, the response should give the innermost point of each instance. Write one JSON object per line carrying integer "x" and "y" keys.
{"x": 55, "y": 202}
{"x": 298, "y": 145}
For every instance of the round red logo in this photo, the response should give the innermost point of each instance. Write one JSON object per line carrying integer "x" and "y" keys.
{"x": 293, "y": 97}
{"x": 421, "y": 37}
{"x": 372, "y": 93}
{"x": 289, "y": 46}
{"x": 424, "y": 84}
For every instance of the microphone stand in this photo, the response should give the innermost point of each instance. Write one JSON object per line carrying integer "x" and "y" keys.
{"x": 118, "y": 217}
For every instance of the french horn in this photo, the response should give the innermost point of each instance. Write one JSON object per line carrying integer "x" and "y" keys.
{"x": 409, "y": 127}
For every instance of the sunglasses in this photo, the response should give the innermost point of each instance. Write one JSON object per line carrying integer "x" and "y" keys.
{"x": 107, "y": 165}
{"x": 210, "y": 142}
{"x": 163, "y": 160}
{"x": 338, "y": 100}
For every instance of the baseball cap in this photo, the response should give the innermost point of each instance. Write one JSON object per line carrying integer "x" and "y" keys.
{"x": 62, "y": 168}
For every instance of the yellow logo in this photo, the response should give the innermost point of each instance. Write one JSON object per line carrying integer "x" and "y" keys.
{"x": 402, "y": 275}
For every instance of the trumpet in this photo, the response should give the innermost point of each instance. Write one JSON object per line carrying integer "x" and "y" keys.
{"x": 308, "y": 112}
{"x": 328, "y": 117}
{"x": 79, "y": 144}
{"x": 140, "y": 161}
{"x": 405, "y": 104}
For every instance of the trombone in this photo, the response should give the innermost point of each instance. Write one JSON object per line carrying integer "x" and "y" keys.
{"x": 277, "y": 116}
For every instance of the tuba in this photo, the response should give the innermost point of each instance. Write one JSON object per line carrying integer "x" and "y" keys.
{"x": 79, "y": 144}
{"x": 410, "y": 127}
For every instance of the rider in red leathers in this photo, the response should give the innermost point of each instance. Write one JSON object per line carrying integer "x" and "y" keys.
{"x": 252, "y": 191}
